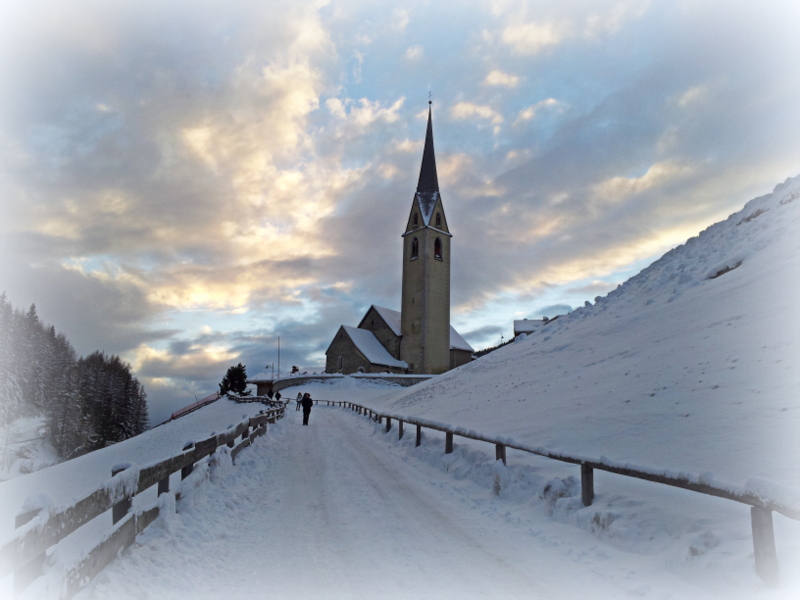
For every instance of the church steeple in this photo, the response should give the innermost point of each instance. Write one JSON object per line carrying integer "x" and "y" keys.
{"x": 425, "y": 310}
{"x": 428, "y": 180}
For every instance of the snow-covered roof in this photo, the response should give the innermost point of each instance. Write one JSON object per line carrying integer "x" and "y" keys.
{"x": 392, "y": 318}
{"x": 527, "y": 325}
{"x": 457, "y": 342}
{"x": 366, "y": 343}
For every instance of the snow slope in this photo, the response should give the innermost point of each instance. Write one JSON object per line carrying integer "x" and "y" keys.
{"x": 681, "y": 368}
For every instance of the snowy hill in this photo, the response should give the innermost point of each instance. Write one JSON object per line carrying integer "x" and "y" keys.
{"x": 691, "y": 366}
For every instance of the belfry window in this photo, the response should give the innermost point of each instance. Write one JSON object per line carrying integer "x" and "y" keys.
{"x": 414, "y": 248}
{"x": 438, "y": 220}
{"x": 437, "y": 249}
{"x": 416, "y": 219}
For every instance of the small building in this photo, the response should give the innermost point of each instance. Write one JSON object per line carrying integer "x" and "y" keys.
{"x": 527, "y": 326}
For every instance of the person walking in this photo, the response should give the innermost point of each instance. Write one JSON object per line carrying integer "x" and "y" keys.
{"x": 307, "y": 404}
{"x": 299, "y": 400}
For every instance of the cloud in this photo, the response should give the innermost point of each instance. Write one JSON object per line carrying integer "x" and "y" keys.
{"x": 619, "y": 188}
{"x": 468, "y": 110}
{"x": 532, "y": 37}
{"x": 599, "y": 25}
{"x": 415, "y": 52}
{"x": 554, "y": 310}
{"x": 529, "y": 113}
{"x": 498, "y": 78}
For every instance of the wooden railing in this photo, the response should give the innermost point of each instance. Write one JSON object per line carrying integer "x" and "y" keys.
{"x": 761, "y": 509}
{"x": 24, "y": 555}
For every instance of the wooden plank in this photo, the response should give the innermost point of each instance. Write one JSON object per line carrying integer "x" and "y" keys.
{"x": 388, "y": 424}
{"x": 24, "y": 548}
{"x": 419, "y": 434}
{"x": 155, "y": 473}
{"x": 99, "y": 558}
{"x": 205, "y": 448}
{"x": 400, "y": 430}
{"x": 25, "y": 517}
{"x": 764, "y": 546}
{"x": 448, "y": 442}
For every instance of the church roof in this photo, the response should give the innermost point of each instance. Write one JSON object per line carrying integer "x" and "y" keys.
{"x": 428, "y": 180}
{"x": 392, "y": 318}
{"x": 457, "y": 342}
{"x": 366, "y": 343}
{"x": 428, "y": 184}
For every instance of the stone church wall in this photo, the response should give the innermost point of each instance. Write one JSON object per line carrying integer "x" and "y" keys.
{"x": 352, "y": 359}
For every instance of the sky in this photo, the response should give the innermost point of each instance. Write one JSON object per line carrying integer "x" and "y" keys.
{"x": 184, "y": 183}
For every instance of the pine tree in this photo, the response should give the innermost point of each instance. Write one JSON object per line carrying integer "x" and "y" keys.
{"x": 235, "y": 380}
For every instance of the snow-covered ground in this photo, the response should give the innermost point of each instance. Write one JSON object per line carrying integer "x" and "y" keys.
{"x": 691, "y": 366}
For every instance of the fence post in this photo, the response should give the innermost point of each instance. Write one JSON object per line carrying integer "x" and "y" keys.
{"x": 121, "y": 508}
{"x": 587, "y": 485}
{"x": 187, "y": 470}
{"x": 500, "y": 452}
{"x": 448, "y": 442}
{"x": 388, "y": 424}
{"x": 400, "y": 429}
{"x": 419, "y": 435}
{"x": 764, "y": 545}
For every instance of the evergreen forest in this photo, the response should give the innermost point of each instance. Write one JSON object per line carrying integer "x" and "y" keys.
{"x": 87, "y": 403}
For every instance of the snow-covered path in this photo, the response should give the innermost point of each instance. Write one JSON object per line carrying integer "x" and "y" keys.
{"x": 327, "y": 511}
{"x": 323, "y": 511}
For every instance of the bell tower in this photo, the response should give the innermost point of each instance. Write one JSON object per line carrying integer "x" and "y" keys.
{"x": 425, "y": 310}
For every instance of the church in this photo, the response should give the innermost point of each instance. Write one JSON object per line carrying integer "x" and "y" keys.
{"x": 419, "y": 338}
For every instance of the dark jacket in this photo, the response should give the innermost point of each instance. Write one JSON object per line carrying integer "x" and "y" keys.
{"x": 307, "y": 403}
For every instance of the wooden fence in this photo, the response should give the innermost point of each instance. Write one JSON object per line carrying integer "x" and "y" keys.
{"x": 761, "y": 509}
{"x": 24, "y": 555}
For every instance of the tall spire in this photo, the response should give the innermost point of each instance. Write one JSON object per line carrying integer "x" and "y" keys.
{"x": 428, "y": 181}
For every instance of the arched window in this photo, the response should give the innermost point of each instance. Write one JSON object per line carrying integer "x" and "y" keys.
{"x": 437, "y": 249}
{"x": 414, "y": 248}
{"x": 438, "y": 220}
{"x": 340, "y": 363}
{"x": 416, "y": 219}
